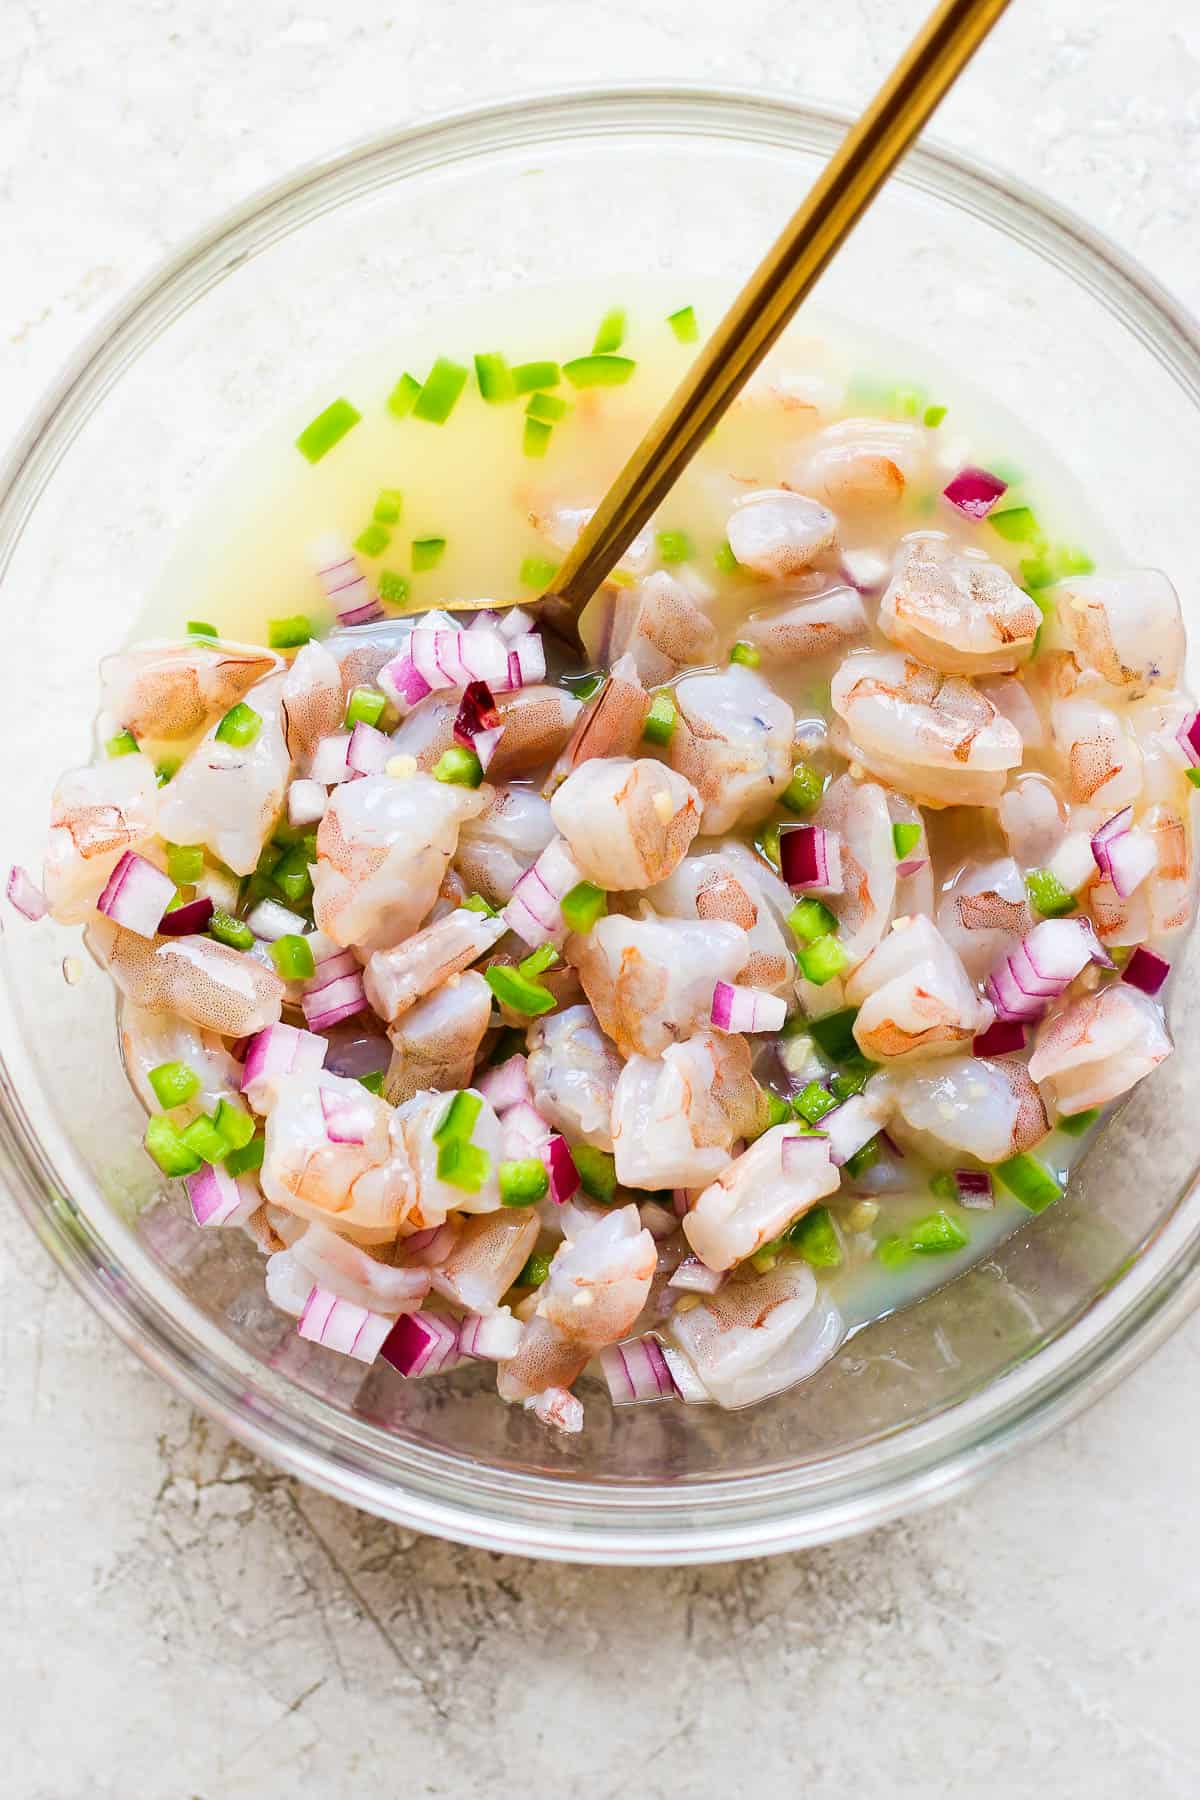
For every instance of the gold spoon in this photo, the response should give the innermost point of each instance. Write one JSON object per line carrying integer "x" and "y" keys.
{"x": 842, "y": 193}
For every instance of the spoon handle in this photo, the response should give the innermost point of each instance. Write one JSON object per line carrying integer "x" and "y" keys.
{"x": 837, "y": 200}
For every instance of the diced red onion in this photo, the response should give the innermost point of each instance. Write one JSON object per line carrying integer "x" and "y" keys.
{"x": 688, "y": 1384}
{"x": 796, "y": 1152}
{"x": 345, "y": 585}
{"x": 369, "y": 1054}
{"x": 336, "y": 1000}
{"x": 746, "y": 1009}
{"x": 659, "y": 1221}
{"x": 487, "y": 743}
{"x": 1188, "y": 737}
{"x": 974, "y": 492}
{"x": 1043, "y": 966}
{"x": 281, "y": 1050}
{"x": 448, "y": 659}
{"x": 485, "y": 620}
{"x": 270, "y": 921}
{"x": 332, "y": 968}
{"x": 1146, "y": 970}
{"x": 490, "y": 1337}
{"x": 403, "y": 682}
{"x": 25, "y": 894}
{"x": 810, "y": 859}
{"x": 911, "y": 866}
{"x": 848, "y": 1127}
{"x": 523, "y": 1132}
{"x": 193, "y": 915}
{"x": 328, "y": 763}
{"x": 560, "y": 1167}
{"x": 526, "y": 661}
{"x": 865, "y": 570}
{"x": 341, "y": 1325}
{"x": 974, "y": 1188}
{"x": 369, "y": 750}
{"x": 516, "y": 623}
{"x": 1073, "y": 863}
{"x": 637, "y": 1371}
{"x": 695, "y": 1277}
{"x": 557, "y": 1406}
{"x": 477, "y": 711}
{"x": 420, "y": 1343}
{"x": 535, "y": 910}
{"x": 306, "y": 803}
{"x": 681, "y": 1200}
{"x": 1123, "y": 856}
{"x": 348, "y": 1117}
{"x": 1001, "y": 1037}
{"x": 429, "y": 1248}
{"x": 507, "y": 1085}
{"x": 137, "y": 895}
{"x": 217, "y": 1198}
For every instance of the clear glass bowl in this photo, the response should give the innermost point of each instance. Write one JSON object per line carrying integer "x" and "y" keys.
{"x": 1022, "y": 298}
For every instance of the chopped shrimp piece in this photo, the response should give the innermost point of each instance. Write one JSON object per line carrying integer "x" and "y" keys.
{"x": 435, "y": 1045}
{"x": 733, "y": 742}
{"x": 610, "y": 724}
{"x": 1014, "y": 702}
{"x": 149, "y": 1039}
{"x": 396, "y": 979}
{"x": 816, "y": 625}
{"x": 934, "y": 736}
{"x": 914, "y": 997}
{"x": 860, "y": 464}
{"x": 1124, "y": 629}
{"x": 172, "y": 690}
{"x": 756, "y": 1338}
{"x": 360, "y": 651}
{"x": 367, "y": 1189}
{"x": 537, "y": 722}
{"x": 955, "y": 610}
{"x": 96, "y": 815}
{"x": 732, "y": 883}
{"x": 914, "y": 872}
{"x": 650, "y": 981}
{"x": 1033, "y": 817}
{"x": 573, "y": 1072}
{"x": 597, "y": 1286}
{"x": 561, "y": 526}
{"x": 418, "y": 1119}
{"x": 314, "y": 705}
{"x": 356, "y": 1272}
{"x": 1172, "y": 885}
{"x": 488, "y": 1255}
{"x": 780, "y": 533}
{"x": 1156, "y": 723}
{"x": 627, "y": 823}
{"x": 228, "y": 796}
{"x": 206, "y": 983}
{"x": 967, "y": 1104}
{"x": 859, "y": 813}
{"x": 495, "y": 849}
{"x": 756, "y": 1197}
{"x": 661, "y": 624}
{"x": 382, "y": 851}
{"x": 1102, "y": 759}
{"x": 984, "y": 913}
{"x": 675, "y": 1116}
{"x": 1098, "y": 1048}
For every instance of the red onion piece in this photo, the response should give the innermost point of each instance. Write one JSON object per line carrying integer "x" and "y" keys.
{"x": 746, "y": 1009}
{"x": 526, "y": 661}
{"x": 420, "y": 1343}
{"x": 402, "y": 681}
{"x": 688, "y": 1384}
{"x": 332, "y": 968}
{"x": 348, "y": 1117}
{"x": 137, "y": 895}
{"x": 516, "y": 623}
{"x": 974, "y": 492}
{"x": 306, "y": 803}
{"x": 364, "y": 1054}
{"x": 1146, "y": 970}
{"x": 270, "y": 921}
{"x": 193, "y": 915}
{"x": 490, "y": 1337}
{"x": 25, "y": 894}
{"x": 328, "y": 764}
{"x": 336, "y": 1000}
{"x": 535, "y": 910}
{"x": 523, "y": 1132}
{"x": 507, "y": 1085}
{"x": 637, "y": 1371}
{"x": 429, "y": 1248}
{"x": 974, "y": 1188}
{"x": 281, "y": 1050}
{"x": 848, "y": 1127}
{"x": 369, "y": 750}
{"x": 912, "y": 866}
{"x": 344, "y": 584}
{"x": 218, "y": 1199}
{"x": 1123, "y": 856}
{"x": 681, "y": 1200}
{"x": 477, "y": 711}
{"x": 810, "y": 858}
{"x": 1188, "y": 738}
{"x": 695, "y": 1277}
{"x": 487, "y": 743}
{"x": 1043, "y": 966}
{"x": 1001, "y": 1037}
{"x": 447, "y": 659}
{"x": 560, "y": 1167}
{"x": 341, "y": 1325}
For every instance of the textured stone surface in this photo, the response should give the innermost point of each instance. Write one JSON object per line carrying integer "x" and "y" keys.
{"x": 177, "y": 1620}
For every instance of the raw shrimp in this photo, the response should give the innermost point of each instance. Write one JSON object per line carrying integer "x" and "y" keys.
{"x": 733, "y": 741}
{"x": 435, "y": 1045}
{"x": 495, "y": 849}
{"x": 957, "y": 611}
{"x": 357, "y": 1273}
{"x": 1033, "y": 816}
{"x": 610, "y": 725}
{"x": 984, "y": 913}
{"x": 1102, "y": 760}
{"x": 597, "y": 1286}
{"x": 1099, "y": 1047}
{"x": 676, "y": 1116}
{"x": 488, "y": 1255}
{"x": 660, "y": 624}
{"x": 573, "y": 1070}
{"x": 206, "y": 983}
{"x": 172, "y": 690}
{"x": 731, "y": 883}
{"x": 96, "y": 815}
{"x": 650, "y": 981}
{"x": 382, "y": 850}
{"x": 858, "y": 812}
{"x": 561, "y": 526}
{"x": 799, "y": 629}
{"x": 756, "y": 1338}
{"x": 396, "y": 979}
{"x": 989, "y": 1109}
{"x": 149, "y": 1039}
{"x": 1124, "y": 630}
{"x": 1172, "y": 884}
{"x": 934, "y": 736}
{"x": 761, "y": 1193}
{"x": 313, "y": 702}
{"x": 627, "y": 824}
{"x": 227, "y": 796}
{"x": 368, "y": 1188}
{"x": 779, "y": 533}
{"x": 914, "y": 997}
{"x": 418, "y": 1119}
{"x": 859, "y": 464}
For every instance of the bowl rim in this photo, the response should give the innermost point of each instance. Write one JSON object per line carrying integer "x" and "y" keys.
{"x": 448, "y": 1495}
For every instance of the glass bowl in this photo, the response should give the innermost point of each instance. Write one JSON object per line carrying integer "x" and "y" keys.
{"x": 1014, "y": 293}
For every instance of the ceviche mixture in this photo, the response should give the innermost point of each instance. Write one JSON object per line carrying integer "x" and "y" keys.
{"x": 670, "y": 1016}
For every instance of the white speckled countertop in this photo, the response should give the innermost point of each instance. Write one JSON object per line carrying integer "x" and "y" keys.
{"x": 178, "y": 1622}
